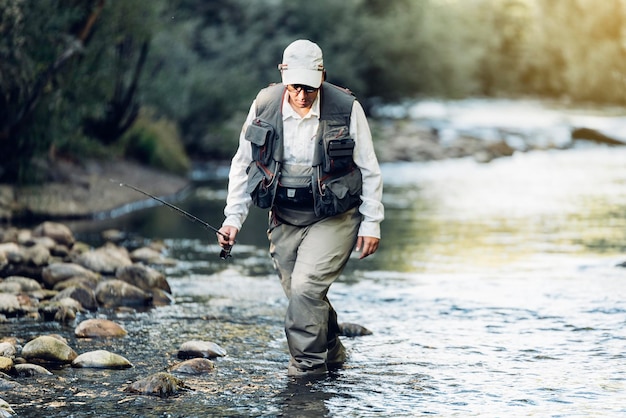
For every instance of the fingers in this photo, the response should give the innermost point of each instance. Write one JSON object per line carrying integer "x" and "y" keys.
{"x": 230, "y": 233}
{"x": 367, "y": 246}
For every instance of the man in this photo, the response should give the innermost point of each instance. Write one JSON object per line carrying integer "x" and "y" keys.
{"x": 306, "y": 153}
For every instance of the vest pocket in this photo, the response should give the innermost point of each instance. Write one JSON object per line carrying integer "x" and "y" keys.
{"x": 261, "y": 186}
{"x": 337, "y": 195}
{"x": 261, "y": 135}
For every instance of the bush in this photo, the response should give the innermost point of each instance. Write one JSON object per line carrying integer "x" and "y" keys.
{"x": 157, "y": 143}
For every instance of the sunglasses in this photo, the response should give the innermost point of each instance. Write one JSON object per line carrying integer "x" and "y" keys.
{"x": 301, "y": 87}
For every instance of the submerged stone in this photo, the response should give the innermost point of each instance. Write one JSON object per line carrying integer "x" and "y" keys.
{"x": 29, "y": 369}
{"x": 159, "y": 384}
{"x": 101, "y": 359}
{"x": 353, "y": 330}
{"x": 204, "y": 349}
{"x": 194, "y": 366}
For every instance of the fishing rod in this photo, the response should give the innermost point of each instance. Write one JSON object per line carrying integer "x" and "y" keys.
{"x": 224, "y": 254}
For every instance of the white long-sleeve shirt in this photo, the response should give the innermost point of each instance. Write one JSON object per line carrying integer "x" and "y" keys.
{"x": 299, "y": 145}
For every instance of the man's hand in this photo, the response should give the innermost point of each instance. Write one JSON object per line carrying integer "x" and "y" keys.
{"x": 367, "y": 245}
{"x": 230, "y": 232}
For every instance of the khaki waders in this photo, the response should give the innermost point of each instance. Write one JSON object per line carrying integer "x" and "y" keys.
{"x": 309, "y": 259}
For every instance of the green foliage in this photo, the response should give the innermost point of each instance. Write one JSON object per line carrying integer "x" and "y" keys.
{"x": 155, "y": 142}
{"x": 207, "y": 60}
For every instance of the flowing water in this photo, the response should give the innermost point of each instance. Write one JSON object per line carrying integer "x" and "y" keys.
{"x": 495, "y": 293}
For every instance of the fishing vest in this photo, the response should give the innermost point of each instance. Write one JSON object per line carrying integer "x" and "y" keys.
{"x": 301, "y": 195}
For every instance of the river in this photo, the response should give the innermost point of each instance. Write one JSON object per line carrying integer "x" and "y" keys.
{"x": 495, "y": 293}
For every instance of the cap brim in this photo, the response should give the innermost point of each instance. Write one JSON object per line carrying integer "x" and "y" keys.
{"x": 311, "y": 78}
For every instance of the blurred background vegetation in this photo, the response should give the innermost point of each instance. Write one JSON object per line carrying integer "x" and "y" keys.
{"x": 169, "y": 81}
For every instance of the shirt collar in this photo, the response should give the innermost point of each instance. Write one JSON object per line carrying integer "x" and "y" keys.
{"x": 288, "y": 111}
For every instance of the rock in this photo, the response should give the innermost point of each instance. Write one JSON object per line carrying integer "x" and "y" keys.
{"x": 26, "y": 239}
{"x": 10, "y": 305}
{"x": 76, "y": 282}
{"x": 5, "y": 409}
{"x": 589, "y": 134}
{"x": 353, "y": 330}
{"x": 8, "y": 349}
{"x": 58, "y": 272}
{"x": 48, "y": 349}
{"x": 159, "y": 384}
{"x": 58, "y": 232}
{"x": 105, "y": 260}
{"x": 144, "y": 277}
{"x": 12, "y": 252}
{"x": 113, "y": 235}
{"x": 101, "y": 359}
{"x": 194, "y": 366}
{"x": 86, "y": 297}
{"x": 29, "y": 369}
{"x": 99, "y": 328}
{"x": 161, "y": 298}
{"x": 112, "y": 293}
{"x": 6, "y": 364}
{"x": 204, "y": 349}
{"x": 149, "y": 255}
{"x": 7, "y": 383}
{"x": 61, "y": 310}
{"x": 20, "y": 284}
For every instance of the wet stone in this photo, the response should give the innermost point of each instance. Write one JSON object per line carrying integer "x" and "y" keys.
{"x": 48, "y": 349}
{"x": 57, "y": 231}
{"x": 144, "y": 277}
{"x": 112, "y": 293}
{"x": 58, "y": 272}
{"x": 101, "y": 359}
{"x": 61, "y": 310}
{"x": 86, "y": 297}
{"x": 12, "y": 252}
{"x": 10, "y": 305}
{"x": 353, "y": 330}
{"x": 105, "y": 260}
{"x": 161, "y": 297}
{"x": 6, "y": 364}
{"x": 8, "y": 349}
{"x": 37, "y": 255}
{"x": 195, "y": 366}
{"x": 159, "y": 384}
{"x": 29, "y": 369}
{"x": 21, "y": 284}
{"x": 5, "y": 409}
{"x": 203, "y": 349}
{"x": 149, "y": 255}
{"x": 99, "y": 328}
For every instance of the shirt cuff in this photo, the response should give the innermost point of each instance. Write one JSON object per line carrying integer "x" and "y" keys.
{"x": 233, "y": 220}
{"x": 369, "y": 229}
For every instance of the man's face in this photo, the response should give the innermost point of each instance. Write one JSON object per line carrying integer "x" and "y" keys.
{"x": 302, "y": 96}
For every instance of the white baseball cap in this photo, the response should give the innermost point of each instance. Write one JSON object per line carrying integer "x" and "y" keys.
{"x": 302, "y": 64}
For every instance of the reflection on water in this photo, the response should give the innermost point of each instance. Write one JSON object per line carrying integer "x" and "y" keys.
{"x": 495, "y": 293}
